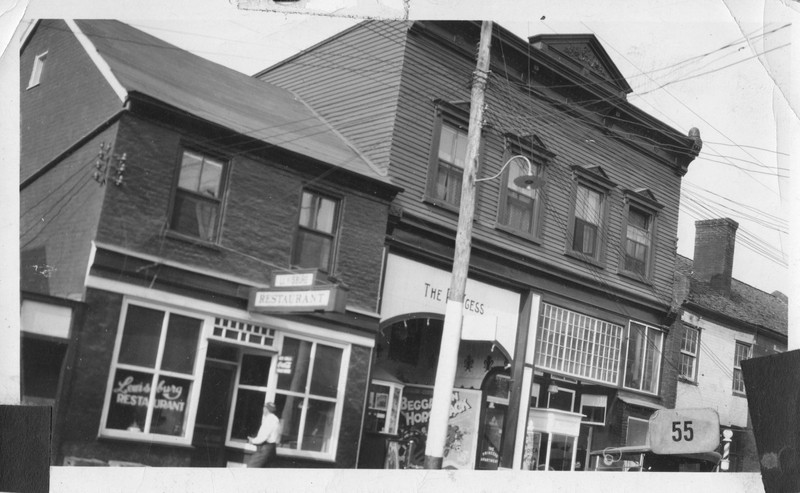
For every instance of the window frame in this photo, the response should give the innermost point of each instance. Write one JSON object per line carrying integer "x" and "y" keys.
{"x": 532, "y": 148}
{"x": 643, "y": 363}
{"x": 237, "y": 386}
{"x": 643, "y": 202}
{"x": 36, "y": 70}
{"x": 333, "y": 237}
{"x": 593, "y": 401}
{"x": 445, "y": 114}
{"x": 737, "y": 367}
{"x": 195, "y": 376}
{"x": 178, "y": 191}
{"x": 593, "y": 179}
{"x": 330, "y": 455}
{"x": 686, "y": 353}
{"x": 641, "y": 421}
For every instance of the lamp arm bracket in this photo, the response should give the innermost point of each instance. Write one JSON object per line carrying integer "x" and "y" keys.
{"x": 503, "y": 168}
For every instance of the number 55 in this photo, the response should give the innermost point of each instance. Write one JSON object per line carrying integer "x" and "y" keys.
{"x": 686, "y": 434}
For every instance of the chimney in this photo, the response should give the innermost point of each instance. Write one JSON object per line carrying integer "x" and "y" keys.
{"x": 713, "y": 253}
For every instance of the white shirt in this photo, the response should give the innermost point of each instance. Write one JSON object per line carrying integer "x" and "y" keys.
{"x": 270, "y": 431}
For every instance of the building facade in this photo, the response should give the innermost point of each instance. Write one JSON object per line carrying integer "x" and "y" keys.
{"x": 723, "y": 322}
{"x": 568, "y": 328}
{"x": 194, "y": 243}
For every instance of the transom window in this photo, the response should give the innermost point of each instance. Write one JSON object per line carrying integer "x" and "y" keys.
{"x": 316, "y": 233}
{"x": 198, "y": 197}
{"x": 690, "y": 345}
{"x": 643, "y": 361}
{"x": 153, "y": 375}
{"x": 579, "y": 345}
{"x": 742, "y": 352}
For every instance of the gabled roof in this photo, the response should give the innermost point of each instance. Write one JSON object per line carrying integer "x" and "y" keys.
{"x": 583, "y": 53}
{"x": 145, "y": 64}
{"x": 746, "y": 303}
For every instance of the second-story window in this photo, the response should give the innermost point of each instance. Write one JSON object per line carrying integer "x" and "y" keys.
{"x": 639, "y": 225}
{"x": 450, "y": 166}
{"x": 690, "y": 346}
{"x": 198, "y": 197}
{"x": 315, "y": 241}
{"x": 643, "y": 361}
{"x": 586, "y": 231}
{"x": 742, "y": 352}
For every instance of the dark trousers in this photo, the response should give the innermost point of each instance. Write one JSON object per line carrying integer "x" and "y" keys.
{"x": 264, "y": 456}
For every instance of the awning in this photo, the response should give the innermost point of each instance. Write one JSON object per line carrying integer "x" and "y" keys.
{"x": 635, "y": 401}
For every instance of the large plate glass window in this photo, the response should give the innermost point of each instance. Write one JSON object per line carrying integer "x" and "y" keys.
{"x": 198, "y": 197}
{"x": 643, "y": 361}
{"x": 308, "y": 396}
{"x": 153, "y": 375}
{"x": 315, "y": 240}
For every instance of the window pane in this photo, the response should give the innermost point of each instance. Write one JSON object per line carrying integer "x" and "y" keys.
{"x": 191, "y": 169}
{"x": 587, "y": 205}
{"x": 249, "y": 408}
{"x": 170, "y": 406}
{"x": 312, "y": 250}
{"x": 637, "y": 432}
{"x": 584, "y": 237}
{"x": 300, "y": 354}
{"x": 461, "y": 149}
{"x": 319, "y": 426}
{"x": 326, "y": 215}
{"x": 652, "y": 360}
{"x": 290, "y": 409}
{"x": 180, "y": 348}
{"x": 130, "y": 395}
{"x": 255, "y": 370}
{"x": 307, "y": 209}
{"x": 140, "y": 336}
{"x": 211, "y": 178}
{"x": 561, "y": 452}
{"x": 194, "y": 216}
{"x": 447, "y": 144}
{"x": 448, "y": 183}
{"x": 41, "y": 367}
{"x": 327, "y": 363}
{"x": 636, "y": 350}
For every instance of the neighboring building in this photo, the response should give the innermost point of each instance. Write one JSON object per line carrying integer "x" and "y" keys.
{"x": 724, "y": 321}
{"x": 568, "y": 305}
{"x": 162, "y": 195}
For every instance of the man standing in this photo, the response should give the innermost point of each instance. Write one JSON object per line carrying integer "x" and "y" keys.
{"x": 267, "y": 438}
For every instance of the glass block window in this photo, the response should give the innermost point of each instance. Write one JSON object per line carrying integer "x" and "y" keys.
{"x": 574, "y": 344}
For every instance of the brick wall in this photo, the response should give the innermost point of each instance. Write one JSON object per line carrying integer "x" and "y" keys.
{"x": 261, "y": 209}
{"x": 714, "y": 244}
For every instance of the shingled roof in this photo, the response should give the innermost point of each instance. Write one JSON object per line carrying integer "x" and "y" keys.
{"x": 144, "y": 64}
{"x": 746, "y": 303}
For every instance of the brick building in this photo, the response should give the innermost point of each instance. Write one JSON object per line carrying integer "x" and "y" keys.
{"x": 723, "y": 322}
{"x": 568, "y": 312}
{"x": 194, "y": 242}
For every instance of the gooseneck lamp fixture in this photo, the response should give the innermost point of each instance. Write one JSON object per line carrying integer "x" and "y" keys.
{"x": 529, "y": 181}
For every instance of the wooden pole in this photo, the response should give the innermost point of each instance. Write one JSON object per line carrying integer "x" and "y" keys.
{"x": 451, "y": 333}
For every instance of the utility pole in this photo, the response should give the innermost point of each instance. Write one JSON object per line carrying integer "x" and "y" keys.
{"x": 454, "y": 314}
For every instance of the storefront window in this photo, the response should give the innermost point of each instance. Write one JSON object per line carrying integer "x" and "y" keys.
{"x": 643, "y": 362}
{"x": 153, "y": 376}
{"x": 307, "y": 394}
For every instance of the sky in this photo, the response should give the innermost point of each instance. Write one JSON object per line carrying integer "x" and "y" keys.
{"x": 718, "y": 65}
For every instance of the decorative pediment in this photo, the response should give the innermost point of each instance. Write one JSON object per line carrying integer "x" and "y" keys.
{"x": 584, "y": 54}
{"x": 644, "y": 197}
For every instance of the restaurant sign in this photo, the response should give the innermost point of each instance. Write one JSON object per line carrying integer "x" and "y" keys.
{"x": 331, "y": 298}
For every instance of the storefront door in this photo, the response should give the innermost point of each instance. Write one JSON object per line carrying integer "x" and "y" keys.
{"x": 213, "y": 410}
{"x": 496, "y": 390}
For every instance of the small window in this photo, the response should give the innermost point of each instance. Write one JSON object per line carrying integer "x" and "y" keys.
{"x": 315, "y": 240}
{"x": 643, "y": 361}
{"x": 690, "y": 345}
{"x": 593, "y": 408}
{"x": 639, "y": 240}
{"x": 36, "y": 71}
{"x": 743, "y": 351}
{"x": 198, "y": 197}
{"x": 587, "y": 227}
{"x": 637, "y": 432}
{"x": 560, "y": 398}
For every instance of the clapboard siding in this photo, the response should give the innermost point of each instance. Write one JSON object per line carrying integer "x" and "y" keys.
{"x": 352, "y": 81}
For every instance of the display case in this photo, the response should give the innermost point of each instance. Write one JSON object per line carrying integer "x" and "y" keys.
{"x": 383, "y": 404}
{"x": 551, "y": 440}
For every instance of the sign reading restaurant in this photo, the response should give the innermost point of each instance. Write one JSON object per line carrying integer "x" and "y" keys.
{"x": 296, "y": 292}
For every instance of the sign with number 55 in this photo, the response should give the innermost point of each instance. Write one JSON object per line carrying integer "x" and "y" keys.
{"x": 684, "y": 431}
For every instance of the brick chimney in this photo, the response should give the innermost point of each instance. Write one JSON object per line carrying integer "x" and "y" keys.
{"x": 713, "y": 253}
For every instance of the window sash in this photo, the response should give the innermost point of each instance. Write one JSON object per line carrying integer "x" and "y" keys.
{"x": 689, "y": 348}
{"x": 448, "y": 163}
{"x": 578, "y": 345}
{"x": 198, "y": 196}
{"x": 519, "y": 209}
{"x": 643, "y": 360}
{"x": 315, "y": 238}
{"x": 742, "y": 352}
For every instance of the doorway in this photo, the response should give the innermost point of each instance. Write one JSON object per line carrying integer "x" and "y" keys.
{"x": 213, "y": 409}
{"x": 496, "y": 390}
